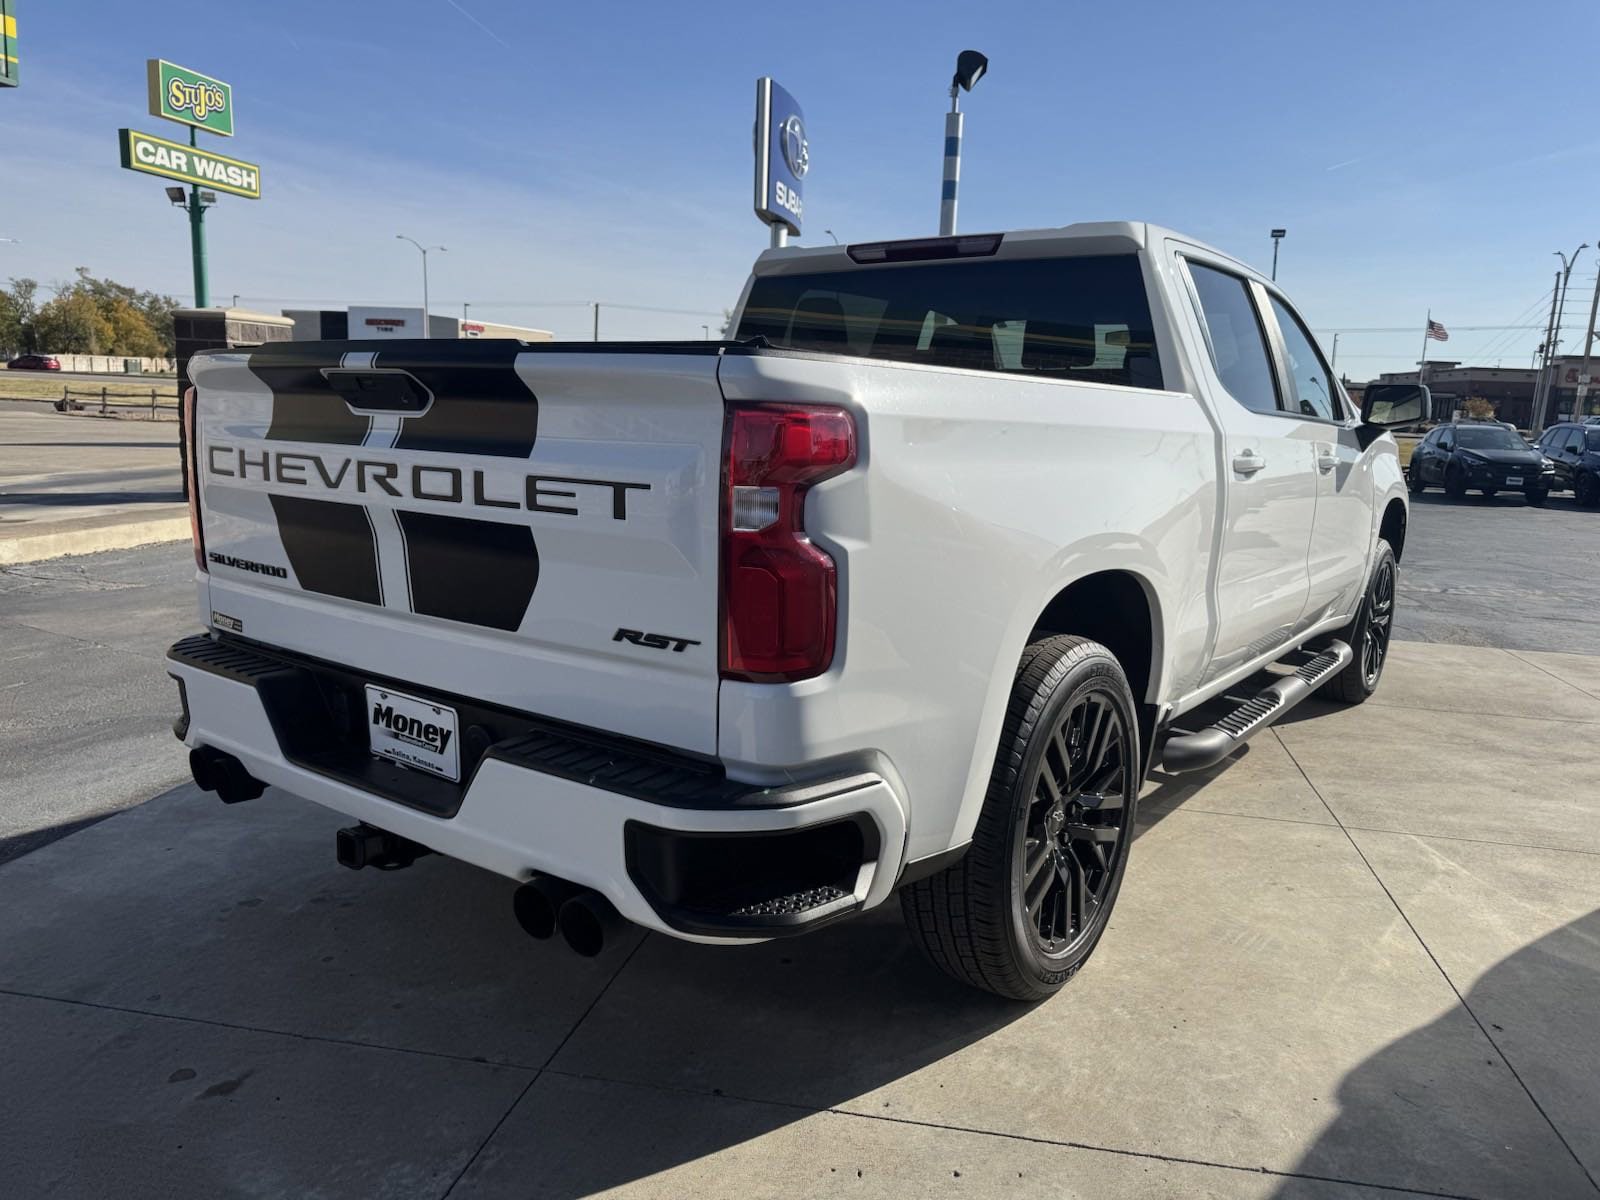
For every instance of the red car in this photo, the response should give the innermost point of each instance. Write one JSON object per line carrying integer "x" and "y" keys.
{"x": 34, "y": 362}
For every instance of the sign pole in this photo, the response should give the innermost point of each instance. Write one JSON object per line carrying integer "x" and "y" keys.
{"x": 197, "y": 239}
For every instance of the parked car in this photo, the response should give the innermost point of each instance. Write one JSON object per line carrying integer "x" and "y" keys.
{"x": 904, "y": 589}
{"x": 1486, "y": 455}
{"x": 1575, "y": 451}
{"x": 34, "y": 362}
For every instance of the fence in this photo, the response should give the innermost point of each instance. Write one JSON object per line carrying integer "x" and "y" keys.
{"x": 154, "y": 405}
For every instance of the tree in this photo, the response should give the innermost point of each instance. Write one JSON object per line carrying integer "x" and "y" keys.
{"x": 1478, "y": 407}
{"x": 87, "y": 316}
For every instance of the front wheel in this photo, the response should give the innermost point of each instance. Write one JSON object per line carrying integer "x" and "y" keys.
{"x": 1455, "y": 483}
{"x": 1414, "y": 480}
{"x": 1585, "y": 491}
{"x": 1024, "y": 908}
{"x": 1537, "y": 496}
{"x": 1368, "y": 635}
{"x": 1489, "y": 492}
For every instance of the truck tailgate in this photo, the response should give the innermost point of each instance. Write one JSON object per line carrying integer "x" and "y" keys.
{"x": 478, "y": 518}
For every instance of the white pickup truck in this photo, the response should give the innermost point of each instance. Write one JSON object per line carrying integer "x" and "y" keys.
{"x": 904, "y": 588}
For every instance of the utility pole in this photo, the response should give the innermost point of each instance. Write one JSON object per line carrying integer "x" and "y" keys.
{"x": 1561, "y": 310}
{"x": 1588, "y": 347}
{"x": 1536, "y": 425}
{"x": 464, "y": 307}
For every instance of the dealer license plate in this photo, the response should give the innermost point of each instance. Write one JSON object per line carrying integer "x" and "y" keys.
{"x": 413, "y": 732}
{"x": 1513, "y": 480}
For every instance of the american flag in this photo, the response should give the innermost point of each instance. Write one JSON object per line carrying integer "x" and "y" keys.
{"x": 1438, "y": 332}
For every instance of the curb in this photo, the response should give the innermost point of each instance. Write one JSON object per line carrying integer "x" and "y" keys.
{"x": 124, "y": 535}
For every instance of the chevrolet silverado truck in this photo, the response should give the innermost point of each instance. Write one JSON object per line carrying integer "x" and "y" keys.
{"x": 903, "y": 588}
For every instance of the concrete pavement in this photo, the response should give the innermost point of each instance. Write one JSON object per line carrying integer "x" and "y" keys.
{"x": 80, "y": 485}
{"x": 1351, "y": 962}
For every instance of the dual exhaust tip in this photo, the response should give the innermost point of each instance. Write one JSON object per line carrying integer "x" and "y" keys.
{"x": 585, "y": 918}
{"x": 215, "y": 771}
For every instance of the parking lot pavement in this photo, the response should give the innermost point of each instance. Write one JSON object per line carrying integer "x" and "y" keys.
{"x": 1496, "y": 572}
{"x": 1354, "y": 958}
{"x": 81, "y": 484}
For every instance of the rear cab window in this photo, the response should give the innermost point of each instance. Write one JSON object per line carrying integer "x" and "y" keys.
{"x": 1085, "y": 319}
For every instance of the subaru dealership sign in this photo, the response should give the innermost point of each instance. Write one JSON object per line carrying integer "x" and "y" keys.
{"x": 782, "y": 156}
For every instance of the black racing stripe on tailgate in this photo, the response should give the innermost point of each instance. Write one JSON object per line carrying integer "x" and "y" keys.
{"x": 304, "y": 407}
{"x": 330, "y": 546}
{"x": 480, "y": 404}
{"x": 478, "y": 572}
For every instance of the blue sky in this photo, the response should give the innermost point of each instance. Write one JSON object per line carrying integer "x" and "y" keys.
{"x": 1422, "y": 155}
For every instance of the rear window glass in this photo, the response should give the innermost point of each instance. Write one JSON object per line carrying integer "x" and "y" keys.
{"x": 1086, "y": 319}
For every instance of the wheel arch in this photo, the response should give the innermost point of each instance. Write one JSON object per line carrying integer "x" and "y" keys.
{"x": 1119, "y": 609}
{"x": 1392, "y": 528}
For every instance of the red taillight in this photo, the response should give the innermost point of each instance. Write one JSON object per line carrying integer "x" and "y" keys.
{"x": 779, "y": 591}
{"x": 191, "y": 441}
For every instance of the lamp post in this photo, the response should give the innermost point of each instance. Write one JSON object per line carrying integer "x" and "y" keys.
{"x": 1588, "y": 350}
{"x": 424, "y": 252}
{"x": 970, "y": 67}
{"x": 833, "y": 235}
{"x": 1277, "y": 236}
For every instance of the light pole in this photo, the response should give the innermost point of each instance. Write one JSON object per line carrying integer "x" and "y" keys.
{"x": 424, "y": 252}
{"x": 970, "y": 67}
{"x": 1554, "y": 341}
{"x": 464, "y": 307}
{"x": 705, "y": 330}
{"x": 833, "y": 235}
{"x": 1277, "y": 236}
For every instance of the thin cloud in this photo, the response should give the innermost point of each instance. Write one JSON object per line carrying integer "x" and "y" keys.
{"x": 1349, "y": 162}
{"x": 479, "y": 24}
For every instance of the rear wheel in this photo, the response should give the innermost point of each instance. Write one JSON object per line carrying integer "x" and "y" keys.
{"x": 1025, "y": 907}
{"x": 1367, "y": 635}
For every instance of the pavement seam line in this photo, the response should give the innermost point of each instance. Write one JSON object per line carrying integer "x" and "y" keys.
{"x": 1445, "y": 975}
{"x": 1032, "y": 1139}
{"x": 286, "y": 1033}
{"x": 542, "y": 1068}
{"x": 1181, "y": 809}
{"x": 1467, "y": 712}
{"x": 1577, "y": 687}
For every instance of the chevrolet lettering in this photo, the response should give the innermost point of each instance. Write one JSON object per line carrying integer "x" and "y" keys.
{"x": 958, "y": 540}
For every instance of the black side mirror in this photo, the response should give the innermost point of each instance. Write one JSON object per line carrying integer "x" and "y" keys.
{"x": 1391, "y": 405}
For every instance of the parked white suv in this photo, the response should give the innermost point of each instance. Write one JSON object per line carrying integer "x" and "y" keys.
{"x": 904, "y": 588}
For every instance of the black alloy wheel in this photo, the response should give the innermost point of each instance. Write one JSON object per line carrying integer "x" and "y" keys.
{"x": 1374, "y": 648}
{"x": 1074, "y": 834}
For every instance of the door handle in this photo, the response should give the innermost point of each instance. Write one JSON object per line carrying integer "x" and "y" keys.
{"x": 1248, "y": 462}
{"x": 1327, "y": 460}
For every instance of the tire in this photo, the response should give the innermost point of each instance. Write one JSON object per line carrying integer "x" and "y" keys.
{"x": 1488, "y": 493}
{"x": 1414, "y": 480}
{"x": 1367, "y": 635}
{"x": 1537, "y": 496}
{"x": 1584, "y": 490}
{"x": 1070, "y": 737}
{"x": 1455, "y": 484}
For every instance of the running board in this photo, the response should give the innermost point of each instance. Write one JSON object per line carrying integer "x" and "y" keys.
{"x": 1202, "y": 748}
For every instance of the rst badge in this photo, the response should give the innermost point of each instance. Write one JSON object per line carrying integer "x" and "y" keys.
{"x": 413, "y": 732}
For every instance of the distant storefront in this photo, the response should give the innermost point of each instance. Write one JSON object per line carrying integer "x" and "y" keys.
{"x": 368, "y": 322}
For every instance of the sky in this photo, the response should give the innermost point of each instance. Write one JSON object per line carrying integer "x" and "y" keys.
{"x": 1424, "y": 157}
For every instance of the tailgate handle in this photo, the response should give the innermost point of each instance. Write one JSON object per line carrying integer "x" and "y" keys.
{"x": 379, "y": 389}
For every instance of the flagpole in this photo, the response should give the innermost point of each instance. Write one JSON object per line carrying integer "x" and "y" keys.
{"x": 1422, "y": 367}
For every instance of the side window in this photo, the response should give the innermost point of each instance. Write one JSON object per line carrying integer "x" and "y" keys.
{"x": 1446, "y": 442}
{"x": 1314, "y": 394}
{"x": 1238, "y": 344}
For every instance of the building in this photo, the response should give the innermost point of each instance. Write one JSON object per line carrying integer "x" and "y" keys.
{"x": 364, "y": 322}
{"x": 1508, "y": 389}
{"x": 1565, "y": 371}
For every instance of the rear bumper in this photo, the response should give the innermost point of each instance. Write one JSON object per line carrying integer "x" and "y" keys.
{"x": 671, "y": 842}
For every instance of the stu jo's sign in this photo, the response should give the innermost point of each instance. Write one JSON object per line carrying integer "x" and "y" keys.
{"x": 190, "y": 98}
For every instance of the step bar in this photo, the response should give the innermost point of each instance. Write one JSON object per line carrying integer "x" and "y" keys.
{"x": 1186, "y": 750}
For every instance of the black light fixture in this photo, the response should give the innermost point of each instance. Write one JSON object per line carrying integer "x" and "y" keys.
{"x": 1277, "y": 236}
{"x": 175, "y": 194}
{"x": 970, "y": 67}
